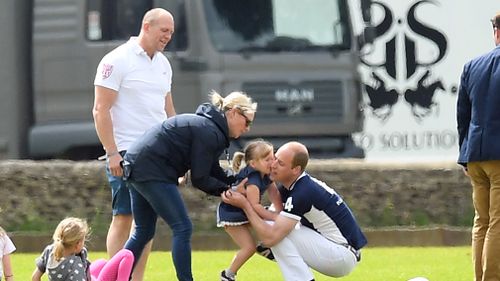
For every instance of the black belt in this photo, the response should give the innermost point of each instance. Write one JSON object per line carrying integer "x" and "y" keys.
{"x": 357, "y": 253}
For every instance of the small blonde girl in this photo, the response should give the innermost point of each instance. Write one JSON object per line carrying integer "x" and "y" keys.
{"x": 6, "y": 248}
{"x": 66, "y": 258}
{"x": 258, "y": 156}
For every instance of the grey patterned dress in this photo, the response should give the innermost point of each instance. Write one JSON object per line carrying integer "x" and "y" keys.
{"x": 71, "y": 268}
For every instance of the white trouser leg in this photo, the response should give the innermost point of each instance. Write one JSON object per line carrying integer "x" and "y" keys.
{"x": 304, "y": 248}
{"x": 292, "y": 265}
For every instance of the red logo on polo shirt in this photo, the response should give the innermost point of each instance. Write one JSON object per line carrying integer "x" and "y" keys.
{"x": 107, "y": 69}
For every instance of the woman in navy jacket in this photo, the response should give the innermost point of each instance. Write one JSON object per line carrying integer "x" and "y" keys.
{"x": 166, "y": 152}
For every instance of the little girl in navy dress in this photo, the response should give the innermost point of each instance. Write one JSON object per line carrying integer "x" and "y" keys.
{"x": 258, "y": 156}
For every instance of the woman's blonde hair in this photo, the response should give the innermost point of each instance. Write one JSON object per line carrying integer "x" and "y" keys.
{"x": 238, "y": 100}
{"x": 254, "y": 150}
{"x": 69, "y": 232}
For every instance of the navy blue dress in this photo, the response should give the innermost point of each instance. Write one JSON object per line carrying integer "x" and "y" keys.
{"x": 228, "y": 214}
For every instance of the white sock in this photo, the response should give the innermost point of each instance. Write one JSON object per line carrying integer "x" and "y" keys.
{"x": 230, "y": 274}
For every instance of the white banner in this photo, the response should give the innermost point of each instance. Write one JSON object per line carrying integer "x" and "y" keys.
{"x": 412, "y": 74}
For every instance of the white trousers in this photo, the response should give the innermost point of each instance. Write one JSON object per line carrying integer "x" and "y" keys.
{"x": 304, "y": 248}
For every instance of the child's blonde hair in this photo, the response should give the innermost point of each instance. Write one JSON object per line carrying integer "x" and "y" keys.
{"x": 254, "y": 150}
{"x": 2, "y": 232}
{"x": 68, "y": 233}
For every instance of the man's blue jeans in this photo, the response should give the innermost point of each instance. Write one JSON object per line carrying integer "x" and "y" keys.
{"x": 152, "y": 199}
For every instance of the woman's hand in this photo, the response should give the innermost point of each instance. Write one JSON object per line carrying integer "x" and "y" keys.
{"x": 241, "y": 187}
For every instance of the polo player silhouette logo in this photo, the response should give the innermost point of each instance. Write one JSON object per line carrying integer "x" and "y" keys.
{"x": 420, "y": 97}
{"x": 381, "y": 100}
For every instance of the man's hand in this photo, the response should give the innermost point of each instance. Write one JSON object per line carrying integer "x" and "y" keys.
{"x": 466, "y": 172}
{"x": 234, "y": 198}
{"x": 114, "y": 165}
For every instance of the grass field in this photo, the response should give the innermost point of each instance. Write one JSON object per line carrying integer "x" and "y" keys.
{"x": 378, "y": 264}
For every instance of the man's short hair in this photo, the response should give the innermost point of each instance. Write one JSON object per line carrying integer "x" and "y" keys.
{"x": 300, "y": 159}
{"x": 496, "y": 20}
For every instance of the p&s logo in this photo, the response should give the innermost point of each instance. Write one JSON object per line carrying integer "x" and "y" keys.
{"x": 400, "y": 73}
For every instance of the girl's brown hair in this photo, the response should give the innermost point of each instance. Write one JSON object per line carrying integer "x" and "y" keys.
{"x": 254, "y": 150}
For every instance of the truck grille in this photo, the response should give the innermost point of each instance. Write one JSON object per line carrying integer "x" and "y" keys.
{"x": 56, "y": 20}
{"x": 305, "y": 101}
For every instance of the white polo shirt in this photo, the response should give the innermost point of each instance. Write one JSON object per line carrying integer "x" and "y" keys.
{"x": 142, "y": 84}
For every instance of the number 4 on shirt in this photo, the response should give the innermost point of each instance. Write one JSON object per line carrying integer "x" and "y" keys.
{"x": 288, "y": 204}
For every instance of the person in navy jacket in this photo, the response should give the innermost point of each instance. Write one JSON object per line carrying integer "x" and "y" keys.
{"x": 316, "y": 228}
{"x": 153, "y": 164}
{"x": 478, "y": 120}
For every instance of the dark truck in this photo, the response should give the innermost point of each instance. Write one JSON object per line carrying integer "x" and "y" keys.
{"x": 298, "y": 59}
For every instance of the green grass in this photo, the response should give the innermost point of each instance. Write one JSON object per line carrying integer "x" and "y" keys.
{"x": 378, "y": 264}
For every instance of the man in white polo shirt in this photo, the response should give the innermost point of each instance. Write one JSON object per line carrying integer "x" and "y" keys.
{"x": 132, "y": 93}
